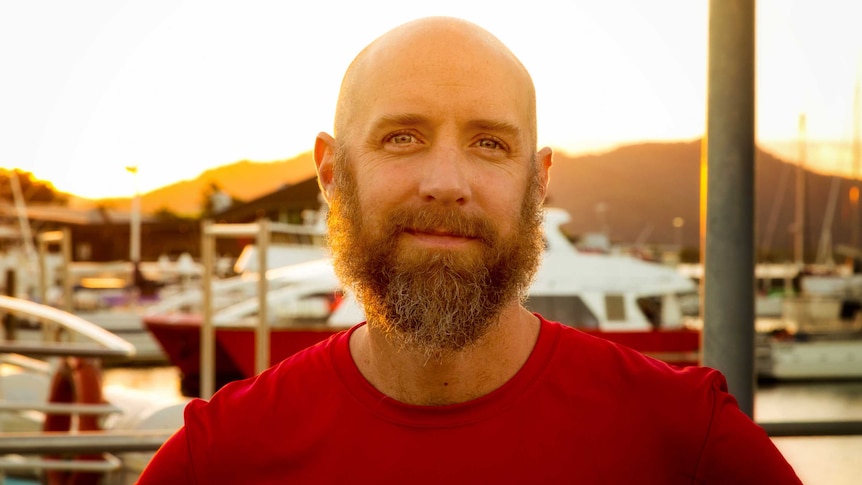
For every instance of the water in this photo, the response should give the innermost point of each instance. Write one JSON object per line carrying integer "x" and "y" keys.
{"x": 163, "y": 381}
{"x": 818, "y": 460}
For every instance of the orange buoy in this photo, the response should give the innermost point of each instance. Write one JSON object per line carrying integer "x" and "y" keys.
{"x": 77, "y": 381}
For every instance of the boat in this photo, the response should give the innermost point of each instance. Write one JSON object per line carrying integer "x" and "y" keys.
{"x": 112, "y": 295}
{"x": 819, "y": 333}
{"x": 58, "y": 423}
{"x": 302, "y": 299}
{"x": 808, "y": 324}
{"x": 773, "y": 283}
{"x": 824, "y": 354}
{"x": 625, "y": 299}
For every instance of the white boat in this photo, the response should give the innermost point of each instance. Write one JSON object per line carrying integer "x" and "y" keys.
{"x": 105, "y": 294}
{"x": 808, "y": 321}
{"x": 111, "y": 295}
{"x": 605, "y": 291}
{"x": 43, "y": 386}
{"x": 819, "y": 333}
{"x": 822, "y": 355}
{"x": 774, "y": 282}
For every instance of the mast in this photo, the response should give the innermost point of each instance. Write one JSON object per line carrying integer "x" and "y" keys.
{"x": 857, "y": 159}
{"x": 799, "y": 224}
{"x": 23, "y": 219}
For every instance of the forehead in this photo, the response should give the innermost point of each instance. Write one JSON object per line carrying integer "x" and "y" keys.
{"x": 441, "y": 74}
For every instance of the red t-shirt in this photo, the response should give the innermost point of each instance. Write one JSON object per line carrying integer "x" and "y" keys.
{"x": 581, "y": 410}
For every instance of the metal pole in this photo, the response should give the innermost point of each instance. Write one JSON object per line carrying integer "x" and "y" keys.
{"x": 728, "y": 334}
{"x": 207, "y": 370}
{"x": 43, "y": 271}
{"x": 66, "y": 249}
{"x": 10, "y": 324}
{"x": 261, "y": 342}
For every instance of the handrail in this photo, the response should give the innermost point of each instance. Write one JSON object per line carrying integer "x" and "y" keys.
{"x": 262, "y": 231}
{"x": 275, "y": 276}
{"x": 25, "y": 362}
{"x": 108, "y": 463}
{"x": 250, "y": 306}
{"x": 59, "y": 349}
{"x": 812, "y": 428}
{"x": 58, "y": 407}
{"x": 69, "y": 321}
{"x": 59, "y": 442}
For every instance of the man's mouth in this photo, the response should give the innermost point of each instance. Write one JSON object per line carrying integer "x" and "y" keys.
{"x": 437, "y": 232}
{"x": 439, "y": 237}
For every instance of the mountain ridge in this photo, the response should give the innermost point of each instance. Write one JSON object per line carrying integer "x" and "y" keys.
{"x": 634, "y": 192}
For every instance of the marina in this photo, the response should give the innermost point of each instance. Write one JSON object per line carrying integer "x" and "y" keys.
{"x": 117, "y": 311}
{"x": 298, "y": 301}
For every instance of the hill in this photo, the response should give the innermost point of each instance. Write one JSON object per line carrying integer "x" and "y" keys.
{"x": 634, "y": 191}
{"x": 244, "y": 180}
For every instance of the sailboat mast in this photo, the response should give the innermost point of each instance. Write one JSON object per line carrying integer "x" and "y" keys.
{"x": 23, "y": 219}
{"x": 857, "y": 158}
{"x": 799, "y": 224}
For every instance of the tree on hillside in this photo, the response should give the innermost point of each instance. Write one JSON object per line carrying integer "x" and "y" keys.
{"x": 166, "y": 214}
{"x": 32, "y": 190}
{"x": 215, "y": 200}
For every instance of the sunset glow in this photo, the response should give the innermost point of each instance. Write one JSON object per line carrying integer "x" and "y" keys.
{"x": 174, "y": 88}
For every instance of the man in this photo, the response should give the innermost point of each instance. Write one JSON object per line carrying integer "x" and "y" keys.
{"x": 435, "y": 188}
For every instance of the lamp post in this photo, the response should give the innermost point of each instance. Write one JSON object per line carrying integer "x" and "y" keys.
{"x": 135, "y": 229}
{"x": 678, "y": 222}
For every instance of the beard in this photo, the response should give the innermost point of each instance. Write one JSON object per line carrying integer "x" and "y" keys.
{"x": 435, "y": 301}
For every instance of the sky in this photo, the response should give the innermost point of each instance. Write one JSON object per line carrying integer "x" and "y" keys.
{"x": 176, "y": 87}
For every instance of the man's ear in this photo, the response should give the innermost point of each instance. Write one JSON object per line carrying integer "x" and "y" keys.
{"x": 324, "y": 158}
{"x": 545, "y": 158}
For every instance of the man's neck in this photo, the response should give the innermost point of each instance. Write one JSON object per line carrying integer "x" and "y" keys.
{"x": 409, "y": 376}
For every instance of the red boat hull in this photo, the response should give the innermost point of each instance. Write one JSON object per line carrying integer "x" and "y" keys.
{"x": 675, "y": 346}
{"x": 179, "y": 337}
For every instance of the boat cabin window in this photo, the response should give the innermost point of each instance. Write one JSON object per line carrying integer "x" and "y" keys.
{"x": 615, "y": 308}
{"x": 651, "y": 308}
{"x": 567, "y": 309}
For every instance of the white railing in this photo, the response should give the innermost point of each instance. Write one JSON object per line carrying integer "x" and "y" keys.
{"x": 108, "y": 343}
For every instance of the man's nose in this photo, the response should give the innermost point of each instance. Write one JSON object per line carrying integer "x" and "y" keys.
{"x": 445, "y": 179}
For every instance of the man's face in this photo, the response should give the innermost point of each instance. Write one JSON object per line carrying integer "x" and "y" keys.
{"x": 435, "y": 187}
{"x": 437, "y": 299}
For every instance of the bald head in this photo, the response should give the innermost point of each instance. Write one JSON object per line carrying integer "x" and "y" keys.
{"x": 438, "y": 51}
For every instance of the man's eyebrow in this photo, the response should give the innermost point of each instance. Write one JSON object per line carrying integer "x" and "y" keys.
{"x": 413, "y": 119}
{"x": 406, "y": 119}
{"x": 496, "y": 126}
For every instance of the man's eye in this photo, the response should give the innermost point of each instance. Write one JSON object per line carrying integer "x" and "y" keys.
{"x": 402, "y": 138}
{"x": 490, "y": 143}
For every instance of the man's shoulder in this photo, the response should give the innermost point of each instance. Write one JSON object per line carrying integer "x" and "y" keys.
{"x": 609, "y": 379}
{"x": 598, "y": 358}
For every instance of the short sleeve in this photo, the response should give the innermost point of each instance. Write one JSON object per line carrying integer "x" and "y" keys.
{"x": 737, "y": 450}
{"x": 171, "y": 464}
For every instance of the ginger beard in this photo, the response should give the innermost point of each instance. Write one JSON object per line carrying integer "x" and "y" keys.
{"x": 434, "y": 301}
